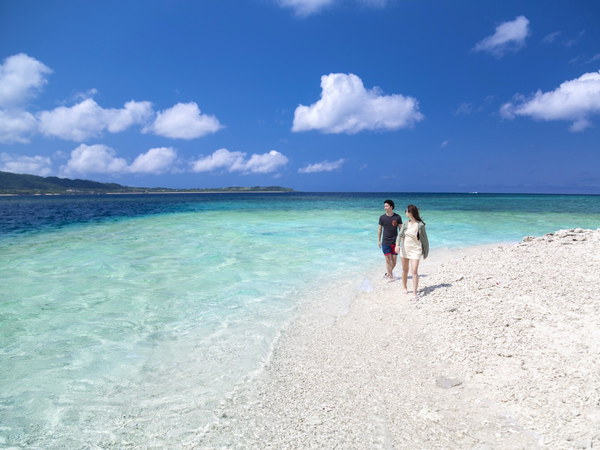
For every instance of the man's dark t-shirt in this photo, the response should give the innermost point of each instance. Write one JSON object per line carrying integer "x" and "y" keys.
{"x": 390, "y": 227}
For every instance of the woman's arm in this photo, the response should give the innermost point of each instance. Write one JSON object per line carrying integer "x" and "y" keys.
{"x": 401, "y": 234}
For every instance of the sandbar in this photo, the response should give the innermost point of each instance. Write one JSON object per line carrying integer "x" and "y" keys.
{"x": 501, "y": 350}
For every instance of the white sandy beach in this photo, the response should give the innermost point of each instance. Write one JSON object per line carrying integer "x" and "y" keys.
{"x": 501, "y": 350}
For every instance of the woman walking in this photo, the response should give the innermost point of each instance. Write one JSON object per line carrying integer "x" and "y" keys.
{"x": 413, "y": 243}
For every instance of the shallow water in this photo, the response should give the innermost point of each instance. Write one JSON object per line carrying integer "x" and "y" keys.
{"x": 127, "y": 320}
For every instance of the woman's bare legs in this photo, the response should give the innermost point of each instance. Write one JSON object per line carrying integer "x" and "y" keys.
{"x": 405, "y": 263}
{"x": 415, "y": 275}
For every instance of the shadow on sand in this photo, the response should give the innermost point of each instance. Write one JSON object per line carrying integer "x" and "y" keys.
{"x": 429, "y": 289}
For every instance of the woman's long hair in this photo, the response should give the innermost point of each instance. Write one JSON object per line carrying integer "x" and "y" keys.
{"x": 415, "y": 212}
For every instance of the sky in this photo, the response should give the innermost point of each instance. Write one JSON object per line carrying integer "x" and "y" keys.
{"x": 316, "y": 95}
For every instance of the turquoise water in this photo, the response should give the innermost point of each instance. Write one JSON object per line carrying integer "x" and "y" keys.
{"x": 126, "y": 321}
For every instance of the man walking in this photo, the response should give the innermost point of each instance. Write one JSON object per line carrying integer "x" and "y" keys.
{"x": 389, "y": 224}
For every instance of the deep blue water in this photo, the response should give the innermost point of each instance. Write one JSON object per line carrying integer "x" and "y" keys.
{"x": 30, "y": 213}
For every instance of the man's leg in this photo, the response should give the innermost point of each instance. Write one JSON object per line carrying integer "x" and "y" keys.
{"x": 394, "y": 261}
{"x": 389, "y": 266}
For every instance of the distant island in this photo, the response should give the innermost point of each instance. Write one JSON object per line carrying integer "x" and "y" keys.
{"x": 22, "y": 184}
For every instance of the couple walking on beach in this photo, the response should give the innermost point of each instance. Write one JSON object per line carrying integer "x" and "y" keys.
{"x": 408, "y": 239}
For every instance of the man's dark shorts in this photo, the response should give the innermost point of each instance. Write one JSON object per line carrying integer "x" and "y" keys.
{"x": 389, "y": 249}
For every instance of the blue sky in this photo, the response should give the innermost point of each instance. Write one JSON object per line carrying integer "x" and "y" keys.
{"x": 317, "y": 95}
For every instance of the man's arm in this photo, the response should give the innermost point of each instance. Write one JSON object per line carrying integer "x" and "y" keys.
{"x": 379, "y": 235}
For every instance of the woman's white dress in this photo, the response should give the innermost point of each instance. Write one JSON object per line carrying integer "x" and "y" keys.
{"x": 411, "y": 246}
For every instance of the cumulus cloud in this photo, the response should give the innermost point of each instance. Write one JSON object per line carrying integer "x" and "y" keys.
{"x": 16, "y": 126}
{"x": 87, "y": 119}
{"x": 509, "y": 37}
{"x": 324, "y": 166}
{"x": 33, "y": 165}
{"x": 347, "y": 107}
{"x": 20, "y": 77}
{"x": 574, "y": 100}
{"x": 132, "y": 113}
{"x": 265, "y": 163}
{"x": 101, "y": 159}
{"x": 97, "y": 158}
{"x": 220, "y": 159}
{"x": 155, "y": 160}
{"x": 224, "y": 159}
{"x": 183, "y": 121}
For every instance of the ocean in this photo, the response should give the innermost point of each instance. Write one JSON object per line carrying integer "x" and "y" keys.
{"x": 125, "y": 320}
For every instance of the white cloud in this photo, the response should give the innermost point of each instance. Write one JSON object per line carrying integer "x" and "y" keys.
{"x": 155, "y": 160}
{"x": 220, "y": 159}
{"x": 305, "y": 8}
{"x": 87, "y": 119}
{"x": 94, "y": 159}
{"x": 87, "y": 159}
{"x": 132, "y": 113}
{"x": 324, "y": 166}
{"x": 33, "y": 165}
{"x": 445, "y": 143}
{"x": 20, "y": 77}
{"x": 509, "y": 36}
{"x": 580, "y": 124}
{"x": 347, "y": 107}
{"x": 574, "y": 100}
{"x": 236, "y": 162}
{"x": 16, "y": 126}
{"x": 265, "y": 163}
{"x": 183, "y": 121}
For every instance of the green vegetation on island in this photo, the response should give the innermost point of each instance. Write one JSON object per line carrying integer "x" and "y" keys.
{"x": 21, "y": 184}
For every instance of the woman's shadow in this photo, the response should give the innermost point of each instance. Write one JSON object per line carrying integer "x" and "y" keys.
{"x": 429, "y": 289}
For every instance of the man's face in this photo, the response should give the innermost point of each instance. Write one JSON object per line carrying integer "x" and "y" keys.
{"x": 387, "y": 208}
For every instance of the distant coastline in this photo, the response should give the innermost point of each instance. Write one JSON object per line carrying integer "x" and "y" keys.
{"x": 207, "y": 191}
{"x": 242, "y": 190}
{"x": 12, "y": 184}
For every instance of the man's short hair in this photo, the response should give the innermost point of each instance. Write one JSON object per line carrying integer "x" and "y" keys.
{"x": 390, "y": 202}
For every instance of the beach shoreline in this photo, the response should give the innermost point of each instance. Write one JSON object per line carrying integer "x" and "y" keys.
{"x": 495, "y": 353}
